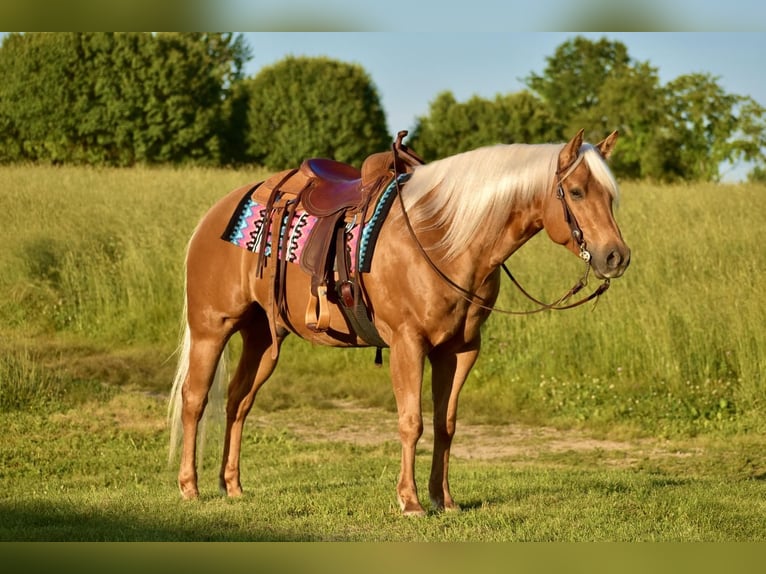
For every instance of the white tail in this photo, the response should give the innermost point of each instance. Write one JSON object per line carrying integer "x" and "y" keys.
{"x": 175, "y": 403}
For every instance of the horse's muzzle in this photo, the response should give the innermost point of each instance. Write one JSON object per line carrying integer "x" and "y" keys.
{"x": 612, "y": 263}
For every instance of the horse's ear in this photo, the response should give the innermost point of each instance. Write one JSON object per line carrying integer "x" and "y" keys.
{"x": 569, "y": 154}
{"x": 606, "y": 145}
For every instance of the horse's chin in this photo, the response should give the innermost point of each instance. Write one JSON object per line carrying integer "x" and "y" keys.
{"x": 598, "y": 274}
{"x": 607, "y": 273}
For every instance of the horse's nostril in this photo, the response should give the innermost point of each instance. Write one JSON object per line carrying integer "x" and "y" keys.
{"x": 618, "y": 259}
{"x": 614, "y": 259}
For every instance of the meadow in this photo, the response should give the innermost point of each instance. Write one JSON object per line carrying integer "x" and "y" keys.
{"x": 640, "y": 417}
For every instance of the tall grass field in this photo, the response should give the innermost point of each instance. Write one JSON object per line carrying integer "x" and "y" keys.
{"x": 91, "y": 291}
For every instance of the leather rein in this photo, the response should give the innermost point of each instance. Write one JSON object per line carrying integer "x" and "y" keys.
{"x": 559, "y": 304}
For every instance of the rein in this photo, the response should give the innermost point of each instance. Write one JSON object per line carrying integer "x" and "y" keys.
{"x": 558, "y": 305}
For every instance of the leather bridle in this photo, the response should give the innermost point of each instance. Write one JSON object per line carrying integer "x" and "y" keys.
{"x": 576, "y": 231}
{"x": 569, "y": 217}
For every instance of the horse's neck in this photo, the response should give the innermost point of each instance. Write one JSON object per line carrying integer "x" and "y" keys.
{"x": 523, "y": 224}
{"x": 487, "y": 248}
{"x": 491, "y": 248}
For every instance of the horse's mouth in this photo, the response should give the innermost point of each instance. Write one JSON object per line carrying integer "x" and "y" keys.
{"x": 609, "y": 274}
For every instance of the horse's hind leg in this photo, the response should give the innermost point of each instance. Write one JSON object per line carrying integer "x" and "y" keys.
{"x": 255, "y": 367}
{"x": 449, "y": 371}
{"x": 204, "y": 354}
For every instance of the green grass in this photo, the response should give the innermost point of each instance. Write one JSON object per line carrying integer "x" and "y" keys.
{"x": 673, "y": 354}
{"x": 97, "y": 471}
{"x": 99, "y": 253}
{"x": 675, "y": 347}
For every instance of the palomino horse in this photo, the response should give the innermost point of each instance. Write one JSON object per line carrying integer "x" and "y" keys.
{"x": 433, "y": 279}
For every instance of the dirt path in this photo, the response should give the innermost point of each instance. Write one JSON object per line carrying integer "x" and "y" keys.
{"x": 368, "y": 426}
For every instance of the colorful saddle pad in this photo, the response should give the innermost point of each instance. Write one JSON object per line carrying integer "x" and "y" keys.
{"x": 245, "y": 229}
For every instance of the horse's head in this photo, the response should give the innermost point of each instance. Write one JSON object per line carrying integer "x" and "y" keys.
{"x": 578, "y": 211}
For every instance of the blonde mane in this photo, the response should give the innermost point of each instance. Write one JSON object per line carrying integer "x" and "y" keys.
{"x": 478, "y": 189}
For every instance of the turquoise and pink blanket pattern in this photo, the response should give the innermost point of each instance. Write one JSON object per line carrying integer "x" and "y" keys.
{"x": 248, "y": 231}
{"x": 245, "y": 229}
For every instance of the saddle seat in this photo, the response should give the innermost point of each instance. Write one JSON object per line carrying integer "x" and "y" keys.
{"x": 336, "y": 186}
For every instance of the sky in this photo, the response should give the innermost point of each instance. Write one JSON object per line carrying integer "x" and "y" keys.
{"x": 391, "y": 15}
{"x": 410, "y": 68}
{"x": 485, "y": 15}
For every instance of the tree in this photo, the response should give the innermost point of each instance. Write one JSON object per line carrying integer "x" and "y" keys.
{"x": 302, "y": 107}
{"x": 703, "y": 117}
{"x": 570, "y": 84}
{"x": 757, "y": 174}
{"x": 684, "y": 130}
{"x": 117, "y": 98}
{"x": 452, "y": 127}
{"x": 36, "y": 87}
{"x": 631, "y": 100}
{"x": 750, "y": 144}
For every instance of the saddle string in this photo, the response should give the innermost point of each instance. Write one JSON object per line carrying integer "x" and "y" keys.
{"x": 265, "y": 223}
{"x": 557, "y": 305}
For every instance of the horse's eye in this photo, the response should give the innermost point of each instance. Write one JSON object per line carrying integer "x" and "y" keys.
{"x": 576, "y": 193}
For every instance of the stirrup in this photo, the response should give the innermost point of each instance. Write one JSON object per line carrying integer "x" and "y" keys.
{"x": 318, "y": 311}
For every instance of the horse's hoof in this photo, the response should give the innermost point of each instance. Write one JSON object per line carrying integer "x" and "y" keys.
{"x": 440, "y": 505}
{"x": 411, "y": 508}
{"x": 233, "y": 491}
{"x": 188, "y": 492}
{"x": 416, "y": 512}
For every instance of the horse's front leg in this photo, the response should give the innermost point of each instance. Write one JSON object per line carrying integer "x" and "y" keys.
{"x": 449, "y": 371}
{"x": 407, "y": 357}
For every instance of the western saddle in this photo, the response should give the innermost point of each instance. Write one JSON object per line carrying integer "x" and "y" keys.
{"x": 336, "y": 194}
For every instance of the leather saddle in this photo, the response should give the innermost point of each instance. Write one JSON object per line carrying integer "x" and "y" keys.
{"x": 335, "y": 193}
{"x": 338, "y": 186}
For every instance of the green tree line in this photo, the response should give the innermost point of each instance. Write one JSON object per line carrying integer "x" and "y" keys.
{"x": 118, "y": 99}
{"x": 683, "y": 130}
{"x": 122, "y": 99}
{"x": 137, "y": 98}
